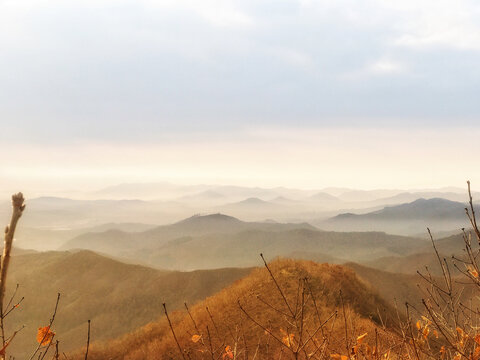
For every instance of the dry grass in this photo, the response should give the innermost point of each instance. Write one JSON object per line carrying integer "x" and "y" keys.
{"x": 331, "y": 285}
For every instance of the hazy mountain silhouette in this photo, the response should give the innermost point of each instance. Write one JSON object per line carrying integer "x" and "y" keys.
{"x": 217, "y": 240}
{"x": 124, "y": 244}
{"x": 61, "y": 213}
{"x": 407, "y": 197}
{"x": 323, "y": 197}
{"x": 409, "y": 218}
{"x": 49, "y": 239}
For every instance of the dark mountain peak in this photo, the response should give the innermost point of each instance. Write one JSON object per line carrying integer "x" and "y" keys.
{"x": 427, "y": 204}
{"x": 82, "y": 255}
{"x": 198, "y": 219}
{"x": 418, "y": 209}
{"x": 430, "y": 201}
{"x": 345, "y": 215}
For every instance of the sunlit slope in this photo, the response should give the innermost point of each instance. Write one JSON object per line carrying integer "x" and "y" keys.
{"x": 117, "y": 297}
{"x": 331, "y": 285}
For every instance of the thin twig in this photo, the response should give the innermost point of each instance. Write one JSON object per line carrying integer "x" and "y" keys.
{"x": 278, "y": 287}
{"x": 173, "y": 331}
{"x": 88, "y": 341}
{"x": 52, "y": 319}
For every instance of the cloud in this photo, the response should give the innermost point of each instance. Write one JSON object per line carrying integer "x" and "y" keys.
{"x": 447, "y": 24}
{"x": 386, "y": 67}
{"x": 135, "y": 70}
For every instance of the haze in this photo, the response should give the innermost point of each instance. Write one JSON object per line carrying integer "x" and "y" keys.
{"x": 305, "y": 94}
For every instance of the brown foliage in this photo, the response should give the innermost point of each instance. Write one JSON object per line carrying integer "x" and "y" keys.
{"x": 218, "y": 327}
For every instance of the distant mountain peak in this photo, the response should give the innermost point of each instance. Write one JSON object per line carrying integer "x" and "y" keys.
{"x": 439, "y": 213}
{"x": 209, "y": 217}
{"x": 436, "y": 200}
{"x": 253, "y": 200}
{"x": 270, "y": 221}
{"x": 281, "y": 198}
{"x": 322, "y": 196}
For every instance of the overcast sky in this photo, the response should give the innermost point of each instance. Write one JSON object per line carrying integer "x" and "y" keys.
{"x": 281, "y": 92}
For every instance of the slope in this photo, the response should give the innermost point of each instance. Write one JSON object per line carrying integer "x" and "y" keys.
{"x": 121, "y": 243}
{"x": 117, "y": 297}
{"x": 242, "y": 249}
{"x": 257, "y": 294}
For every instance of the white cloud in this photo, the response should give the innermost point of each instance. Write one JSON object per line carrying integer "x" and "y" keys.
{"x": 386, "y": 67}
{"x": 452, "y": 24}
{"x": 85, "y": 67}
{"x": 220, "y": 13}
{"x": 419, "y": 25}
{"x": 383, "y": 67}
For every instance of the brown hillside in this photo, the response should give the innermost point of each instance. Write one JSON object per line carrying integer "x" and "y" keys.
{"x": 331, "y": 285}
{"x": 117, "y": 297}
{"x": 392, "y": 287}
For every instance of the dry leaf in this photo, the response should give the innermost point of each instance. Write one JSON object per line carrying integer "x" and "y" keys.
{"x": 338, "y": 357}
{"x": 196, "y": 338}
{"x": 361, "y": 338}
{"x": 425, "y": 332}
{"x": 228, "y": 353}
{"x": 288, "y": 340}
{"x": 473, "y": 272}
{"x": 476, "y": 353}
{"x": 45, "y": 335}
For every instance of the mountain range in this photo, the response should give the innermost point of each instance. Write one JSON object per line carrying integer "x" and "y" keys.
{"x": 329, "y": 209}
{"x": 215, "y": 241}
{"x": 409, "y": 218}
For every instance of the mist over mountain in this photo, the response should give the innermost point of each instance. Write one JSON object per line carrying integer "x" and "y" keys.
{"x": 51, "y": 239}
{"x": 171, "y": 191}
{"x": 100, "y": 261}
{"x": 217, "y": 240}
{"x": 252, "y": 204}
{"x": 324, "y": 198}
{"x": 409, "y": 218}
{"x": 145, "y": 246}
{"x": 407, "y": 197}
{"x": 63, "y": 213}
{"x": 352, "y": 195}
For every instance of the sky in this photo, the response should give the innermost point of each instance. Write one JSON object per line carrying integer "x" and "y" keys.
{"x": 300, "y": 93}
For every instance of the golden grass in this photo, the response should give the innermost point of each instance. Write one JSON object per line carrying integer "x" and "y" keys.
{"x": 331, "y": 285}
